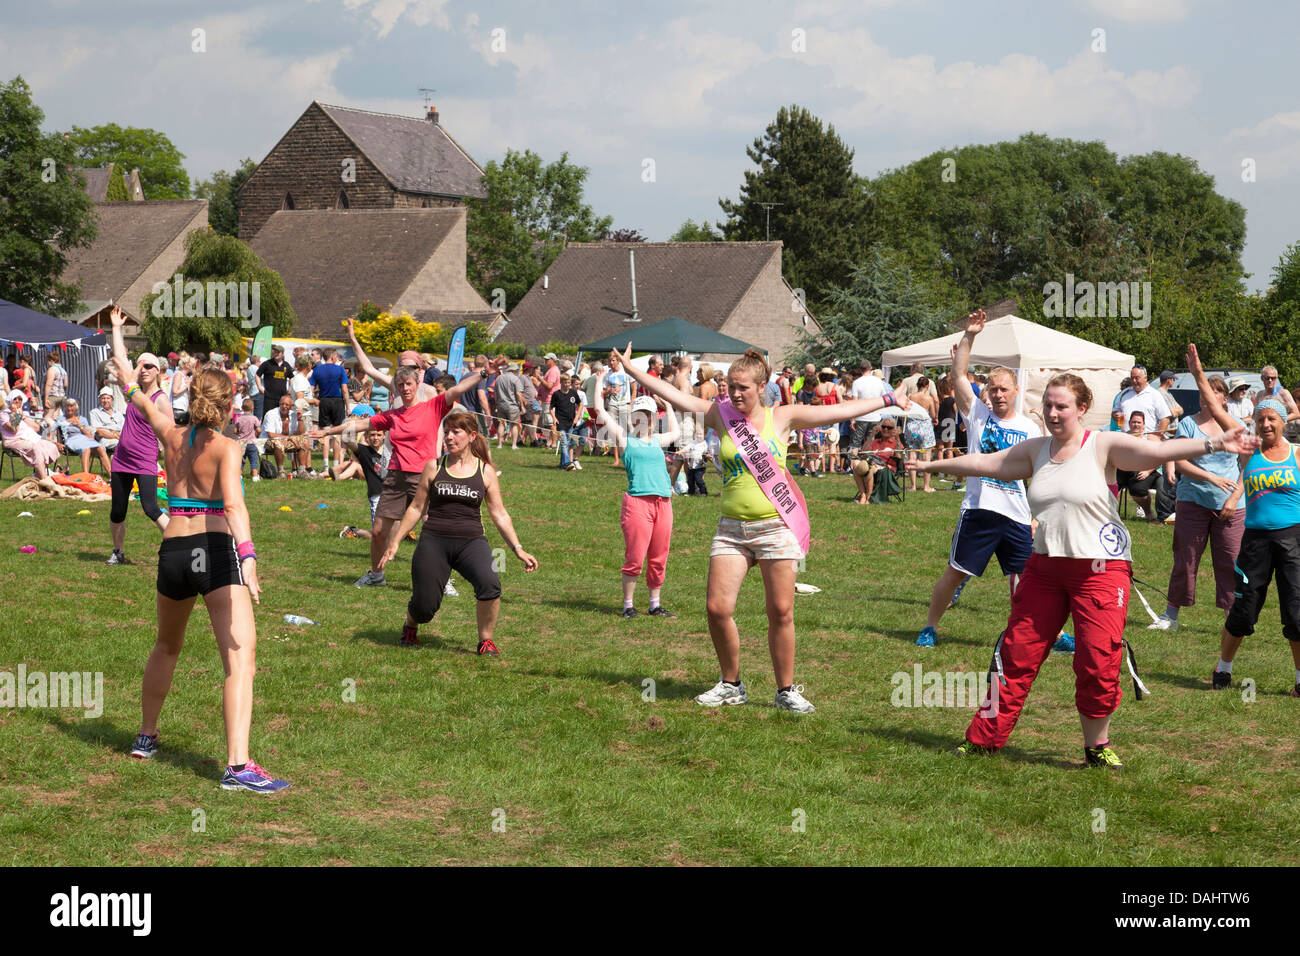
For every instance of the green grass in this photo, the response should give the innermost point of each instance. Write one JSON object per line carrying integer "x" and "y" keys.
{"x": 556, "y": 733}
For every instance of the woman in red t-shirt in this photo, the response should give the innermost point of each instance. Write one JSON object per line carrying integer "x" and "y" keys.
{"x": 883, "y": 450}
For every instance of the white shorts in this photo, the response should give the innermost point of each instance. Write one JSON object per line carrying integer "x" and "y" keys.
{"x": 765, "y": 540}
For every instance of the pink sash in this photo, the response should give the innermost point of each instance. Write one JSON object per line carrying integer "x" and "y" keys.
{"x": 779, "y": 487}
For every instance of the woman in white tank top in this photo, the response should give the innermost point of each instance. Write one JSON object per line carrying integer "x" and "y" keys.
{"x": 1080, "y": 565}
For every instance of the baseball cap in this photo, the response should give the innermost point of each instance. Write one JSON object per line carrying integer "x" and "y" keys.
{"x": 645, "y": 404}
{"x": 277, "y": 348}
{"x": 551, "y": 355}
{"x": 106, "y": 390}
{"x": 172, "y": 357}
{"x": 410, "y": 356}
{"x": 1167, "y": 376}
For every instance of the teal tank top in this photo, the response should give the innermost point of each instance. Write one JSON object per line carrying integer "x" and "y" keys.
{"x": 647, "y": 472}
{"x": 1272, "y": 492}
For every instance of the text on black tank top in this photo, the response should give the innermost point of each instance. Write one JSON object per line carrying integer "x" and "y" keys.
{"x": 454, "y": 503}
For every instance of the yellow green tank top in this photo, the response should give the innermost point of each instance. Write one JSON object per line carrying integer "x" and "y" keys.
{"x": 742, "y": 498}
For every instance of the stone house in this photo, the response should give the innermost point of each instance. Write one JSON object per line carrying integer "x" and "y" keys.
{"x": 336, "y": 157}
{"x": 735, "y": 288}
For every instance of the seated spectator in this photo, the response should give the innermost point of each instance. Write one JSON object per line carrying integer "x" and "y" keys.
{"x": 107, "y": 423}
{"x": 21, "y": 436}
{"x": 1140, "y": 483}
{"x": 880, "y": 454}
{"x": 286, "y": 431}
{"x": 79, "y": 438}
{"x": 246, "y": 430}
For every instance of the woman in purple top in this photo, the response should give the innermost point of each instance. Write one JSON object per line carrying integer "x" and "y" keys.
{"x": 136, "y": 457}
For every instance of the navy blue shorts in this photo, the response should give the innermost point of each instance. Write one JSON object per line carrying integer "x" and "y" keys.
{"x": 981, "y": 534}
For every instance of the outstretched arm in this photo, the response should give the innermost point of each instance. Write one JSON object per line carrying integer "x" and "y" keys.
{"x": 119, "y": 344}
{"x": 470, "y": 380}
{"x": 1136, "y": 454}
{"x": 682, "y": 401}
{"x": 158, "y": 420}
{"x": 1012, "y": 464}
{"x": 819, "y": 416}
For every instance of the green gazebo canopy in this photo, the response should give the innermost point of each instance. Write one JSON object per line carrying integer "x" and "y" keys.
{"x": 670, "y": 335}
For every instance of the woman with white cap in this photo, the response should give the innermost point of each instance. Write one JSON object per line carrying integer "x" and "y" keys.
{"x": 136, "y": 459}
{"x": 647, "y": 514}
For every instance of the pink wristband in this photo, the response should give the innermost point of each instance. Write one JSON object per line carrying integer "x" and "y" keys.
{"x": 246, "y": 550}
{"x": 889, "y": 399}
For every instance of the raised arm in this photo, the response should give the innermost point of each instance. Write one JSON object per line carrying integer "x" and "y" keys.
{"x": 364, "y": 360}
{"x": 1012, "y": 464}
{"x": 674, "y": 429}
{"x": 158, "y": 420}
{"x": 682, "y": 401}
{"x": 119, "y": 344}
{"x": 603, "y": 418}
{"x": 963, "y": 394}
{"x": 468, "y": 381}
{"x": 1209, "y": 398}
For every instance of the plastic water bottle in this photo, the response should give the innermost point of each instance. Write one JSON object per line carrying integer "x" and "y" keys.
{"x": 299, "y": 619}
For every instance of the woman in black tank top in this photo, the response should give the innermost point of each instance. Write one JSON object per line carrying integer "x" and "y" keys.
{"x": 453, "y": 490}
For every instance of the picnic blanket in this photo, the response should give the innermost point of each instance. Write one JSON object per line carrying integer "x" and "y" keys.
{"x": 29, "y": 489}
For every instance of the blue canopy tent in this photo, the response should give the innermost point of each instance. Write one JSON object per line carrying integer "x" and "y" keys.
{"x": 36, "y": 334}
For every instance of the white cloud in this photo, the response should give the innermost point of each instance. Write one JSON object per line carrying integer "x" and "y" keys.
{"x": 1143, "y": 11}
{"x": 1273, "y": 143}
{"x": 384, "y": 14}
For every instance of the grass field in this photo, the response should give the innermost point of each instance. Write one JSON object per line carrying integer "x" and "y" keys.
{"x": 554, "y": 743}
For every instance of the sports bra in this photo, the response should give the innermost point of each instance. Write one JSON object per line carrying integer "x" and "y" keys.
{"x": 186, "y": 507}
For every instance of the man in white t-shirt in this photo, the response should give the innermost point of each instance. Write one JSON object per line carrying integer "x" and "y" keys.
{"x": 995, "y": 516}
{"x": 1240, "y": 405}
{"x": 865, "y": 385}
{"x": 1141, "y": 397}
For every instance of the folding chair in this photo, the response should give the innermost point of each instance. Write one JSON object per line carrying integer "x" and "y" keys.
{"x": 887, "y": 485}
{"x": 12, "y": 456}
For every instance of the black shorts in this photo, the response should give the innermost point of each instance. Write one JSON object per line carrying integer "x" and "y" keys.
{"x": 332, "y": 412}
{"x": 1263, "y": 555}
{"x": 197, "y": 564}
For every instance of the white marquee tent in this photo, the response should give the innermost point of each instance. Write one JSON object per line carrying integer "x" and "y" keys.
{"x": 1036, "y": 353}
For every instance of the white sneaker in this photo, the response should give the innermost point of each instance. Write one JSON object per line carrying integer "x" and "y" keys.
{"x": 723, "y": 693}
{"x": 257, "y": 477}
{"x": 793, "y": 699}
{"x": 577, "y": 465}
{"x": 450, "y": 590}
{"x": 1170, "y": 519}
{"x": 1138, "y": 512}
{"x": 1163, "y": 623}
{"x": 371, "y": 579}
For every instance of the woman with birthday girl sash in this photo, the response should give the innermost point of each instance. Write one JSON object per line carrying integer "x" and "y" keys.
{"x": 764, "y": 518}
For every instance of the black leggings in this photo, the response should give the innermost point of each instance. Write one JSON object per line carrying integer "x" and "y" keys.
{"x": 1262, "y": 555}
{"x": 431, "y": 568}
{"x": 121, "y": 482}
{"x": 1138, "y": 487}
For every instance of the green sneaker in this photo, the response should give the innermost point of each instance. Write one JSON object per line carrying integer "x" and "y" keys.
{"x": 968, "y": 749}
{"x": 1102, "y": 757}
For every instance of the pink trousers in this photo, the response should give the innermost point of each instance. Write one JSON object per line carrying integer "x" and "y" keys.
{"x": 647, "y": 522}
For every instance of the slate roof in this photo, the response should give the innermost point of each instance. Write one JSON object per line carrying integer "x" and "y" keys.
{"x": 415, "y": 155}
{"x": 97, "y": 178}
{"x": 131, "y": 236}
{"x": 333, "y": 260}
{"x": 589, "y": 288}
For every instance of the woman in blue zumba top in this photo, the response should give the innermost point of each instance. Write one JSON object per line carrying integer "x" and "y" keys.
{"x": 1271, "y": 542}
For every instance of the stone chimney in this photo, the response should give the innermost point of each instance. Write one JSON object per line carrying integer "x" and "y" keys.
{"x": 432, "y": 115}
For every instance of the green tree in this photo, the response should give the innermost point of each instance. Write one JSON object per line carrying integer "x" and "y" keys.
{"x": 222, "y": 193}
{"x": 192, "y": 323}
{"x": 806, "y": 168}
{"x": 117, "y": 191}
{"x": 44, "y": 208}
{"x": 531, "y": 209}
{"x": 162, "y": 173}
{"x": 692, "y": 231}
{"x": 882, "y": 307}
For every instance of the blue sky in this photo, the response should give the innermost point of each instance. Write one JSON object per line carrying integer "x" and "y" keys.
{"x": 690, "y": 85}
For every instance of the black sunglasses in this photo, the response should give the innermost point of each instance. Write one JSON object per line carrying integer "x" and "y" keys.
{"x": 147, "y": 365}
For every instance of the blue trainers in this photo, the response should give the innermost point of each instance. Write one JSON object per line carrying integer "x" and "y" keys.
{"x": 1064, "y": 643}
{"x": 926, "y": 637}
{"x": 145, "y": 746}
{"x": 253, "y": 778}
